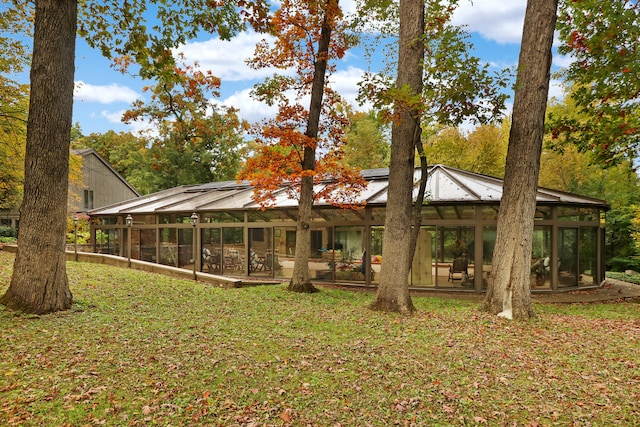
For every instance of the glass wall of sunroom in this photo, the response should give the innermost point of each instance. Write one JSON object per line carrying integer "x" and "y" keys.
{"x": 454, "y": 248}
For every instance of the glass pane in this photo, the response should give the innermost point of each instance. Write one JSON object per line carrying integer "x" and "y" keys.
{"x": 108, "y": 241}
{"x": 377, "y": 239}
{"x": 222, "y": 217}
{"x": 262, "y": 259}
{"x": 233, "y": 250}
{"x": 543, "y": 212}
{"x": 488, "y": 243}
{"x": 349, "y": 254}
{"x": 572, "y": 213}
{"x": 541, "y": 258}
{"x": 378, "y": 214}
{"x": 169, "y": 246}
{"x": 568, "y": 257}
{"x": 185, "y": 248}
{"x": 135, "y": 243}
{"x": 285, "y": 247}
{"x": 454, "y": 248}
{"x": 490, "y": 212}
{"x": 148, "y": 245}
{"x": 588, "y": 256}
{"x": 211, "y": 250}
{"x": 322, "y": 253}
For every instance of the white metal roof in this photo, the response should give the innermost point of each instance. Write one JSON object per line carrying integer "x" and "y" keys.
{"x": 445, "y": 185}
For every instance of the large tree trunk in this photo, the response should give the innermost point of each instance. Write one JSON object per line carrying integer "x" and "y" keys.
{"x": 39, "y": 283}
{"x": 301, "y": 278}
{"x": 393, "y": 290}
{"x": 509, "y": 293}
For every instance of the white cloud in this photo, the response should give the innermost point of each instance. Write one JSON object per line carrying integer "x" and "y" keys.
{"x": 562, "y": 61}
{"x": 112, "y": 116}
{"x": 140, "y": 127}
{"x": 345, "y": 82}
{"x": 556, "y": 90}
{"x": 226, "y": 59}
{"x": 497, "y": 21}
{"x": 249, "y": 109}
{"x": 104, "y": 94}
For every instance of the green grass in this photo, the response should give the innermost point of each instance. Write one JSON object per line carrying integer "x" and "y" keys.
{"x": 140, "y": 349}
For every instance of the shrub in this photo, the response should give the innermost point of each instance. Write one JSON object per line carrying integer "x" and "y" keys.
{"x": 622, "y": 264}
{"x": 6, "y": 231}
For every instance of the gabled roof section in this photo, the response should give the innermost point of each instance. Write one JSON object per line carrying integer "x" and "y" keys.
{"x": 84, "y": 152}
{"x": 445, "y": 186}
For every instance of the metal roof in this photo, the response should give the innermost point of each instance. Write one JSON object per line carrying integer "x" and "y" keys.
{"x": 445, "y": 185}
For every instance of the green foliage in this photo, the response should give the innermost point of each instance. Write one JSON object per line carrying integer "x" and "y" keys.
{"x": 152, "y": 350}
{"x": 618, "y": 264}
{"x": 367, "y": 143}
{"x": 126, "y": 153}
{"x": 456, "y": 85}
{"x": 568, "y": 167}
{"x": 6, "y": 231}
{"x": 602, "y": 38}
{"x": 123, "y": 30}
{"x": 84, "y": 232}
{"x": 13, "y": 131}
{"x": 482, "y": 150}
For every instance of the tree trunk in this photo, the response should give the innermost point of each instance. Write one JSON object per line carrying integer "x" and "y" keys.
{"x": 509, "y": 292}
{"x": 393, "y": 290}
{"x": 39, "y": 283}
{"x": 301, "y": 278}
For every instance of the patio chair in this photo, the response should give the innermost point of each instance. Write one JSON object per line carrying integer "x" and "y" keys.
{"x": 458, "y": 270}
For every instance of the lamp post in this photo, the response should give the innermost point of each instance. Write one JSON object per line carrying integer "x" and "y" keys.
{"x": 194, "y": 222}
{"x": 75, "y": 237}
{"x": 129, "y": 220}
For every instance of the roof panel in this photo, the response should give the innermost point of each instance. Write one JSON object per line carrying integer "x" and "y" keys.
{"x": 445, "y": 185}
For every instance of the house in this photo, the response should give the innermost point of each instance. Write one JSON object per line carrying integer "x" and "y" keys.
{"x": 100, "y": 186}
{"x": 231, "y": 235}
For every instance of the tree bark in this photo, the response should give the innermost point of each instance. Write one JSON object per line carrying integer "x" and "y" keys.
{"x": 509, "y": 292}
{"x": 301, "y": 277}
{"x": 393, "y": 290}
{"x": 39, "y": 283}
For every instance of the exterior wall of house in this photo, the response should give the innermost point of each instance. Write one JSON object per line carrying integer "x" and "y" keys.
{"x": 101, "y": 186}
{"x": 455, "y": 247}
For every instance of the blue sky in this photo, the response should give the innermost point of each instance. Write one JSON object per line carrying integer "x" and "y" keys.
{"x": 103, "y": 94}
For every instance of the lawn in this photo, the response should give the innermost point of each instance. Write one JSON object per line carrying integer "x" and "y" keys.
{"x": 142, "y": 349}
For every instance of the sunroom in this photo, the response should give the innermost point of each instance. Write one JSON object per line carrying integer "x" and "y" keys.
{"x": 230, "y": 235}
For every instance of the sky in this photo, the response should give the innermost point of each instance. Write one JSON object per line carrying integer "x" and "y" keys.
{"x": 103, "y": 94}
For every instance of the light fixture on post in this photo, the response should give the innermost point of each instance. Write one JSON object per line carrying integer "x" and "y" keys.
{"x": 75, "y": 233}
{"x": 129, "y": 220}
{"x": 194, "y": 222}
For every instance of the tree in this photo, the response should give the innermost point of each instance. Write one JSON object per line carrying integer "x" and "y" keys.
{"x": 13, "y": 127}
{"x": 14, "y": 104}
{"x": 198, "y": 141}
{"x": 366, "y": 145}
{"x": 568, "y": 167}
{"x": 509, "y": 292}
{"x": 393, "y": 294}
{"x": 307, "y": 35}
{"x": 39, "y": 283}
{"x": 127, "y": 153}
{"x": 45, "y": 288}
{"x": 482, "y": 150}
{"x": 443, "y": 87}
{"x": 602, "y": 38}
